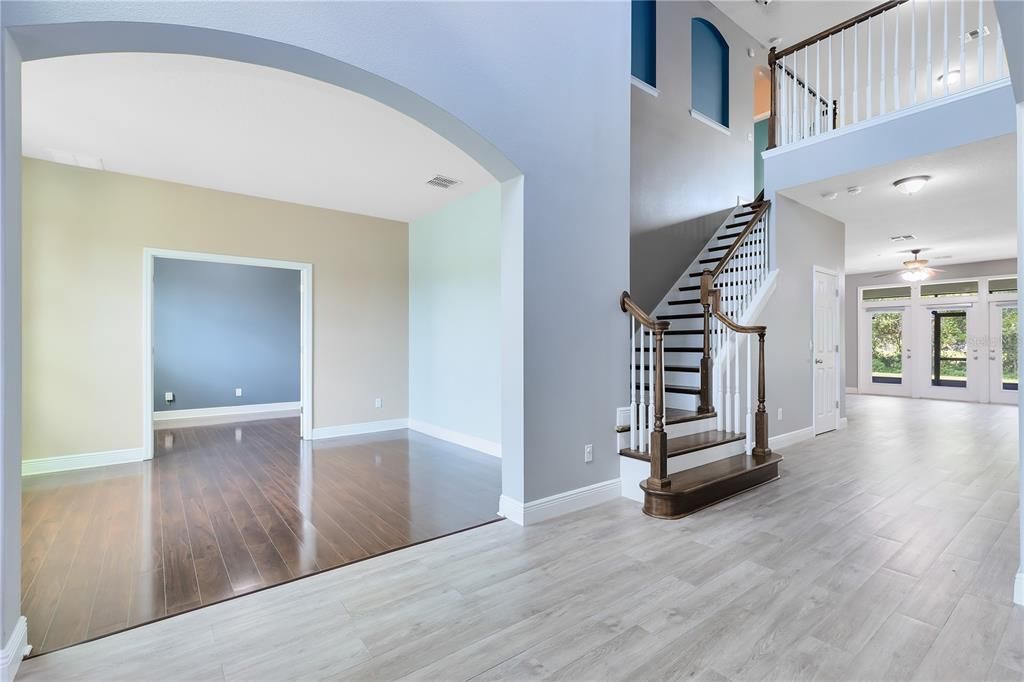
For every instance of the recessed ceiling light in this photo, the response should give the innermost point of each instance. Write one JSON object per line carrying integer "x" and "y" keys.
{"x": 911, "y": 185}
{"x": 829, "y": 196}
{"x": 954, "y": 77}
{"x": 854, "y": 190}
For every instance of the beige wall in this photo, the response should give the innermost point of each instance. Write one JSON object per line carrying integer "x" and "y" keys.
{"x": 84, "y": 232}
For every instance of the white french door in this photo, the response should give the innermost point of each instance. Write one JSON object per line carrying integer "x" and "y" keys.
{"x": 886, "y": 356}
{"x": 1002, "y": 352}
{"x": 950, "y": 352}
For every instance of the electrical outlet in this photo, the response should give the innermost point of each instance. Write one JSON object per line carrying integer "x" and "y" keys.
{"x": 588, "y": 453}
{"x": 780, "y": 414}
{"x": 238, "y": 393}
{"x": 238, "y": 435}
{"x": 379, "y": 402}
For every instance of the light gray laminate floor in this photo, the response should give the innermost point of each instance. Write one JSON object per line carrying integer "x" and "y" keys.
{"x": 887, "y": 551}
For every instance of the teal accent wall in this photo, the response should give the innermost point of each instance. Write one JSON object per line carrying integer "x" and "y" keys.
{"x": 710, "y": 64}
{"x": 760, "y": 144}
{"x": 455, "y": 316}
{"x": 645, "y": 44}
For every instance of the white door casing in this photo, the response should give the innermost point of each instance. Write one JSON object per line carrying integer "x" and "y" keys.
{"x": 997, "y": 393}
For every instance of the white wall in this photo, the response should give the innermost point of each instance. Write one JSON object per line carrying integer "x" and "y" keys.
{"x": 804, "y": 238}
{"x": 455, "y": 321}
{"x": 540, "y": 89}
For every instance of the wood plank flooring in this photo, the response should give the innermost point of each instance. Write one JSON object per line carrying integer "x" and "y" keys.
{"x": 886, "y": 551}
{"x": 225, "y": 510}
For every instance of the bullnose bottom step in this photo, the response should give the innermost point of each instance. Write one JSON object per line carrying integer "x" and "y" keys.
{"x": 695, "y": 489}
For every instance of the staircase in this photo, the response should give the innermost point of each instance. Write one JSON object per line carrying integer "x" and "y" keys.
{"x": 692, "y": 435}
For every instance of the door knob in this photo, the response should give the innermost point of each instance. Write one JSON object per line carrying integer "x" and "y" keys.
{"x": 819, "y": 362}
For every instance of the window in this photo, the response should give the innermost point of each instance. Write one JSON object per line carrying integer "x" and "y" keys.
{"x": 709, "y": 64}
{"x": 886, "y": 294}
{"x": 1002, "y": 286}
{"x": 644, "y": 44}
{"x": 949, "y": 289}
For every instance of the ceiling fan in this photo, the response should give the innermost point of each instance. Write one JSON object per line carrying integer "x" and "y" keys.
{"x": 914, "y": 270}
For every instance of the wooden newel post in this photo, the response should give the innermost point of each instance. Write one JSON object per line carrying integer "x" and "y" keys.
{"x": 659, "y": 439}
{"x": 761, "y": 416}
{"x": 773, "y": 116}
{"x": 704, "y": 405}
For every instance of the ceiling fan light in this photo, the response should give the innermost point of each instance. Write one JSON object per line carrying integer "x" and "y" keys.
{"x": 911, "y": 185}
{"x": 916, "y": 275}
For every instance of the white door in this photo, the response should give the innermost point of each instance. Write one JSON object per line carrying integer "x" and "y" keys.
{"x": 951, "y": 346}
{"x": 1002, "y": 352}
{"x": 826, "y": 351}
{"x": 886, "y": 355}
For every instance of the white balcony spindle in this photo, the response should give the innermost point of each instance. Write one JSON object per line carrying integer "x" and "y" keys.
{"x": 963, "y": 44}
{"x": 945, "y": 48}
{"x": 999, "y": 50}
{"x": 817, "y": 87}
{"x": 804, "y": 122}
{"x": 633, "y": 426}
{"x": 828, "y": 108}
{"x": 842, "y": 79}
{"x": 913, "y": 51}
{"x": 929, "y": 78}
{"x": 867, "y": 80}
{"x": 794, "y": 118}
{"x": 881, "y": 68}
{"x": 856, "y": 74}
{"x": 896, "y": 64}
{"x": 981, "y": 43}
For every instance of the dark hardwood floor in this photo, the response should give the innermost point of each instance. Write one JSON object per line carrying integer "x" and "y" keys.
{"x": 224, "y": 510}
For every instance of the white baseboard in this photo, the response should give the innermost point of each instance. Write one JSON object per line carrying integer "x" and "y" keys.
{"x": 488, "y": 447}
{"x": 557, "y": 505}
{"x": 1018, "y": 587}
{"x": 843, "y": 423}
{"x": 784, "y": 440}
{"x": 511, "y": 509}
{"x": 207, "y": 416}
{"x": 14, "y": 650}
{"x": 356, "y": 429}
{"x": 48, "y": 465}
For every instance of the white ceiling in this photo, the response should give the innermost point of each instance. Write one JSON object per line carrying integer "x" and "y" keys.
{"x": 790, "y": 20}
{"x": 966, "y": 214}
{"x": 239, "y": 128}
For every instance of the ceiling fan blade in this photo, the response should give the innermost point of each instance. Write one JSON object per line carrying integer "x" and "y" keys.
{"x": 934, "y": 269}
{"x": 887, "y": 274}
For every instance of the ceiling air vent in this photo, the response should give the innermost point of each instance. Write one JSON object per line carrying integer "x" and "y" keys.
{"x": 902, "y": 238}
{"x": 971, "y": 36}
{"x": 443, "y": 182}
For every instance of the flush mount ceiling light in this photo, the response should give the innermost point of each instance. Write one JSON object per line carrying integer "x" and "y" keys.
{"x": 954, "y": 77}
{"x": 911, "y": 185}
{"x": 829, "y": 196}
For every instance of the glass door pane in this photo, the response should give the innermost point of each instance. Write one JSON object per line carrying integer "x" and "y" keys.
{"x": 1010, "y": 370}
{"x": 887, "y": 347}
{"x": 949, "y": 348}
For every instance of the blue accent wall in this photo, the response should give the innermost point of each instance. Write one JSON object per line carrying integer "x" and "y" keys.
{"x": 760, "y": 144}
{"x": 217, "y": 327}
{"x": 645, "y": 52}
{"x": 710, "y": 70}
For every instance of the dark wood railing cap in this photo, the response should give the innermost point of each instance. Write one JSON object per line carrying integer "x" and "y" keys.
{"x": 838, "y": 28}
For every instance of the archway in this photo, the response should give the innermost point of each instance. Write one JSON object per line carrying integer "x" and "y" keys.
{"x": 29, "y": 43}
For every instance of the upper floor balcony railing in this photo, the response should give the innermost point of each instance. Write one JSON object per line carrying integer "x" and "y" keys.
{"x": 901, "y": 54}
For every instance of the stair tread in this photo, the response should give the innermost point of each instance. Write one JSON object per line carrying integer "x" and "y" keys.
{"x": 671, "y": 388}
{"x": 684, "y": 445}
{"x": 682, "y": 316}
{"x": 675, "y": 349}
{"x": 673, "y": 368}
{"x": 674, "y": 415}
{"x": 684, "y": 332}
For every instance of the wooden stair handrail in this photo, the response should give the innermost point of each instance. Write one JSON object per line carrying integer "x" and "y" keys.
{"x": 762, "y": 207}
{"x": 628, "y": 305}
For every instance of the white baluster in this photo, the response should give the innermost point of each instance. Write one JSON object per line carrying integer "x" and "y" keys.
{"x": 931, "y": 74}
{"x": 736, "y": 414}
{"x": 999, "y": 50}
{"x": 804, "y": 127}
{"x": 870, "y": 85}
{"x": 828, "y": 108}
{"x": 981, "y": 43}
{"x": 784, "y": 99}
{"x": 856, "y": 74}
{"x": 726, "y": 392}
{"x": 650, "y": 386}
{"x": 913, "y": 51}
{"x": 896, "y": 64}
{"x": 945, "y": 47}
{"x": 963, "y": 45}
{"x": 817, "y": 87}
{"x": 642, "y": 412}
{"x": 633, "y": 426}
{"x": 881, "y": 69}
{"x": 842, "y": 79}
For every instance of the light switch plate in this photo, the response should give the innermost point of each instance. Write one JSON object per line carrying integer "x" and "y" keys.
{"x": 238, "y": 393}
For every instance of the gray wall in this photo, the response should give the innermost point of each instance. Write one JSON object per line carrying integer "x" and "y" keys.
{"x": 218, "y": 327}
{"x": 805, "y": 238}
{"x": 854, "y": 282}
{"x": 682, "y": 170}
